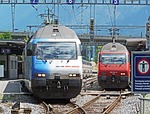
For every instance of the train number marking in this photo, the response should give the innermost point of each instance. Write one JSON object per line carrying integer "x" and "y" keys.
{"x": 70, "y": 1}
{"x": 116, "y": 2}
{"x": 34, "y": 1}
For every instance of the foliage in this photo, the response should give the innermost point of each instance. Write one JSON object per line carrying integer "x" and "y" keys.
{"x": 26, "y": 39}
{"x": 1, "y": 36}
{"x": 6, "y": 36}
{"x": 84, "y": 53}
{"x": 96, "y": 56}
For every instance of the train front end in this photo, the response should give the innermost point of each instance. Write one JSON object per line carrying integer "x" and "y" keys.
{"x": 113, "y": 69}
{"x": 55, "y": 65}
{"x": 56, "y": 70}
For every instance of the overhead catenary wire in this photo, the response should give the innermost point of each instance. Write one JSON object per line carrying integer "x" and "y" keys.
{"x": 110, "y": 15}
{"x": 114, "y": 15}
{"x": 80, "y": 12}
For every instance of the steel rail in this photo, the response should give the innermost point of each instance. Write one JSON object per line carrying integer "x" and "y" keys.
{"x": 77, "y": 110}
{"x": 89, "y": 81}
{"x": 81, "y": 109}
{"x": 91, "y": 101}
{"x": 48, "y": 108}
{"x": 112, "y": 106}
{"x": 73, "y": 105}
{"x": 106, "y": 110}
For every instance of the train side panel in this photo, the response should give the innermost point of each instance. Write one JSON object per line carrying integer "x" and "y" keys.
{"x": 87, "y": 69}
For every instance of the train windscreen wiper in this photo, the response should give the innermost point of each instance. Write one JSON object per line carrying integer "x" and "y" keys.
{"x": 72, "y": 56}
{"x": 41, "y": 58}
{"x": 122, "y": 63}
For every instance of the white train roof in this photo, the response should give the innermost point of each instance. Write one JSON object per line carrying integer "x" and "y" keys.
{"x": 117, "y": 47}
{"x": 56, "y": 32}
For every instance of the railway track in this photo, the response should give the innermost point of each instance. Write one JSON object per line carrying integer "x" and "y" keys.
{"x": 96, "y": 102}
{"x": 100, "y": 102}
{"x": 89, "y": 83}
{"x": 48, "y": 107}
{"x": 58, "y": 107}
{"x": 112, "y": 105}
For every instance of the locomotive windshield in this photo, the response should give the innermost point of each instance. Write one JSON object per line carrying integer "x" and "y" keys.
{"x": 113, "y": 58}
{"x": 56, "y": 50}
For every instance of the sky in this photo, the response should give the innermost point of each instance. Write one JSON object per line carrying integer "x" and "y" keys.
{"x": 121, "y": 15}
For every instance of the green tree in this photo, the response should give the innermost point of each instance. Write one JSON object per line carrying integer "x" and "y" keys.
{"x": 6, "y": 36}
{"x": 26, "y": 39}
{"x": 1, "y": 36}
{"x": 98, "y": 50}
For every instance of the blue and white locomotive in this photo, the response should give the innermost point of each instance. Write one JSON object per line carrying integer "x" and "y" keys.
{"x": 53, "y": 63}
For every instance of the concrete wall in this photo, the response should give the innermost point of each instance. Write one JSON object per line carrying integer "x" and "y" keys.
{"x": 12, "y": 65}
{"x": 3, "y": 58}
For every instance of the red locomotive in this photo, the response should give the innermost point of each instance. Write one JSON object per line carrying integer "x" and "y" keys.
{"x": 113, "y": 66}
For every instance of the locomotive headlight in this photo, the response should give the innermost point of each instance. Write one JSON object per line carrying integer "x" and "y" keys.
{"x": 40, "y": 75}
{"x": 43, "y": 75}
{"x": 122, "y": 74}
{"x": 73, "y": 75}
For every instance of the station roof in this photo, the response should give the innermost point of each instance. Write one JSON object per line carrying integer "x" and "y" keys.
{"x": 11, "y": 47}
{"x": 132, "y": 43}
{"x": 17, "y": 45}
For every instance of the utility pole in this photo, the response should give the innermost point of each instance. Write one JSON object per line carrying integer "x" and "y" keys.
{"x": 91, "y": 29}
{"x": 91, "y": 37}
{"x": 13, "y": 16}
{"x": 148, "y": 34}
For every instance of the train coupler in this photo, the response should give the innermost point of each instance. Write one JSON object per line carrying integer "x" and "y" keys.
{"x": 113, "y": 79}
{"x": 58, "y": 85}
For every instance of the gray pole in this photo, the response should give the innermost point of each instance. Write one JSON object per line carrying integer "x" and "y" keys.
{"x": 13, "y": 16}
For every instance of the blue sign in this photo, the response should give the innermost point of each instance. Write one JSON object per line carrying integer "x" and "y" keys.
{"x": 70, "y": 1}
{"x": 116, "y": 2}
{"x": 5, "y": 51}
{"x": 140, "y": 72}
{"x": 34, "y": 1}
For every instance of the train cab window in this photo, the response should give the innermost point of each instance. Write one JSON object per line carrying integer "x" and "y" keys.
{"x": 56, "y": 50}
{"x": 113, "y": 58}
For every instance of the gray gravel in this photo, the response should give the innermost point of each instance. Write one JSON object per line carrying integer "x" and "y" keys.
{"x": 7, "y": 101}
{"x": 133, "y": 105}
{"x": 130, "y": 105}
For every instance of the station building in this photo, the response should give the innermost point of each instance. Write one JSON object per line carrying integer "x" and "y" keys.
{"x": 10, "y": 57}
